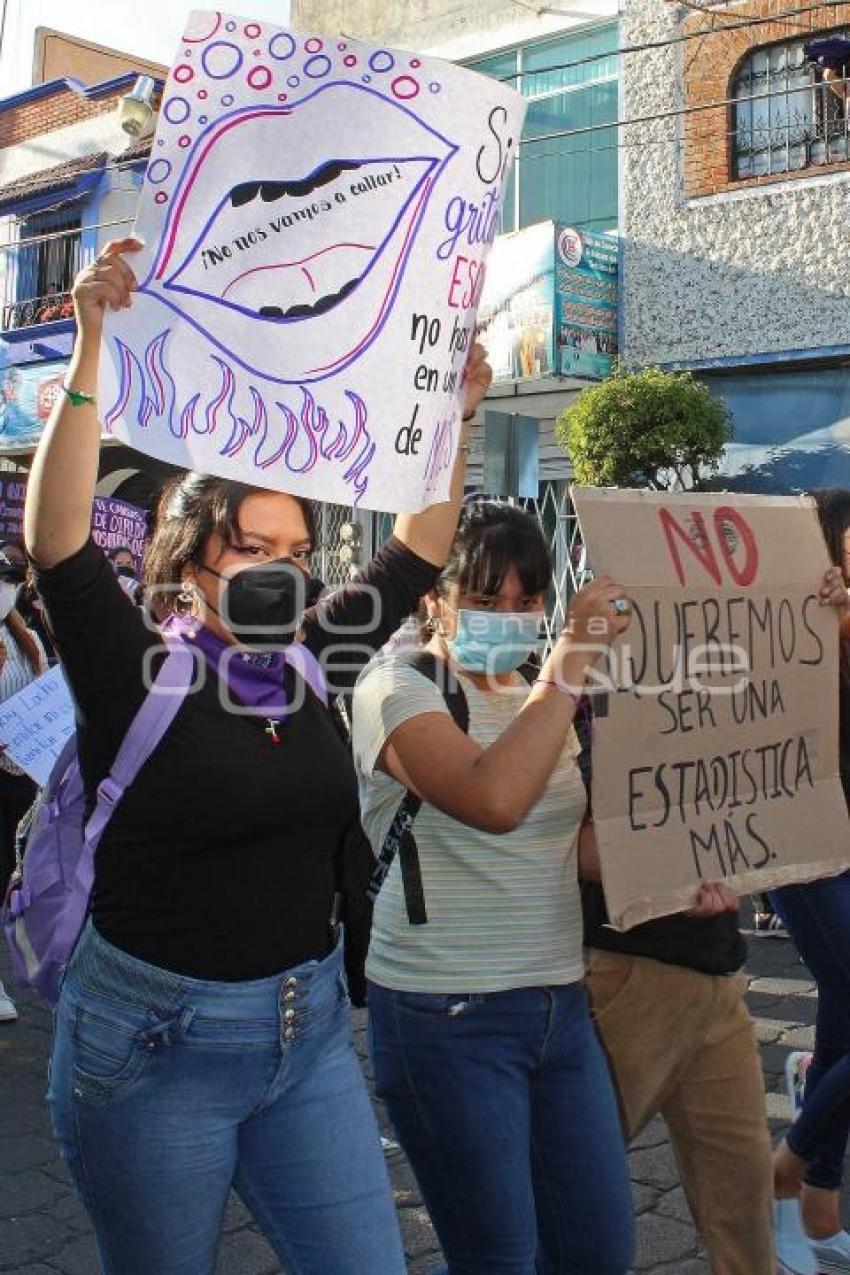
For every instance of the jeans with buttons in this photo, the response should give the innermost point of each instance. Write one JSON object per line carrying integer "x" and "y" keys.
{"x": 165, "y": 1091}
{"x": 504, "y": 1105}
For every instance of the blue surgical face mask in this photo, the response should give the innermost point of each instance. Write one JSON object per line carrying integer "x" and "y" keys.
{"x": 494, "y": 641}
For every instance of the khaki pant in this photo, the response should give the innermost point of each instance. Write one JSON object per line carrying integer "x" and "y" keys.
{"x": 682, "y": 1044}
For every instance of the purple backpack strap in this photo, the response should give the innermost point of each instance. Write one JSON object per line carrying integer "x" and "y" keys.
{"x": 146, "y": 730}
{"x": 302, "y": 659}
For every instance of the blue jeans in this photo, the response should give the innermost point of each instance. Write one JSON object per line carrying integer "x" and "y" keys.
{"x": 817, "y": 916}
{"x": 504, "y": 1106}
{"x": 166, "y": 1090}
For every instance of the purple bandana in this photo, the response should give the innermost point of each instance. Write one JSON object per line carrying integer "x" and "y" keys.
{"x": 255, "y": 678}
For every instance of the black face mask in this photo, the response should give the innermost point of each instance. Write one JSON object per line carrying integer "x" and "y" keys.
{"x": 127, "y": 572}
{"x": 262, "y": 605}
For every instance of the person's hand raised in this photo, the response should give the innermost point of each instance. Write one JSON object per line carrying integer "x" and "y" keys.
{"x": 106, "y": 284}
{"x": 477, "y": 378}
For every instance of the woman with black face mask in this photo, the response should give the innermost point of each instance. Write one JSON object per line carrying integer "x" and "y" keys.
{"x": 202, "y": 1034}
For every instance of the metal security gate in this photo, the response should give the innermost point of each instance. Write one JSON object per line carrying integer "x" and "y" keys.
{"x": 334, "y": 556}
{"x": 554, "y": 512}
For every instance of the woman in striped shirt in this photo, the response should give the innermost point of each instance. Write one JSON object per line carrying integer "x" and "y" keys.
{"x": 482, "y": 1043}
{"x": 22, "y": 659}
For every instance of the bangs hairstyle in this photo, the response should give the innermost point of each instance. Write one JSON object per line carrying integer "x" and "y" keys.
{"x": 490, "y": 540}
{"x": 190, "y": 510}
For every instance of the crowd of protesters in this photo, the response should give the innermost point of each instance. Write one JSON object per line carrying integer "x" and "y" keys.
{"x": 202, "y": 1035}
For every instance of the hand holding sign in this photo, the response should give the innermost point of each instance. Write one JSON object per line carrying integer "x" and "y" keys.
{"x": 717, "y": 759}
{"x": 317, "y": 216}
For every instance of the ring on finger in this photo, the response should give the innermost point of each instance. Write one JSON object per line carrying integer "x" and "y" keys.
{"x": 621, "y": 606}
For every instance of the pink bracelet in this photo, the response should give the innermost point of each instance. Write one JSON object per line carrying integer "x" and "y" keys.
{"x": 565, "y": 690}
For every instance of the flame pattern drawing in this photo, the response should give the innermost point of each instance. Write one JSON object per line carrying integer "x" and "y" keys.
{"x": 440, "y": 454}
{"x": 147, "y": 392}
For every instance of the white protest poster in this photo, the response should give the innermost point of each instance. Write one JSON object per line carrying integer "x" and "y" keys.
{"x": 715, "y": 741}
{"x": 317, "y": 214}
{"x": 36, "y": 723}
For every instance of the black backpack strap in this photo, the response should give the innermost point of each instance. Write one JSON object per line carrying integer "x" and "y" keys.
{"x": 399, "y": 839}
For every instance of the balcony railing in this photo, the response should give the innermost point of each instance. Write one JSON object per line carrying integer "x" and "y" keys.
{"x": 38, "y": 270}
{"x": 35, "y": 310}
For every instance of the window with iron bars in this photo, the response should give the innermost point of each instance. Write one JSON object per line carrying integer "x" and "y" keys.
{"x": 786, "y": 118}
{"x": 41, "y": 269}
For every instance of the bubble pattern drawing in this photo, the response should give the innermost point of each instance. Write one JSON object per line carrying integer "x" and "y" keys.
{"x": 300, "y": 203}
{"x": 292, "y": 61}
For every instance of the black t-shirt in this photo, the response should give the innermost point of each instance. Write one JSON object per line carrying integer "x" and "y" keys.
{"x": 218, "y": 863}
{"x": 713, "y": 946}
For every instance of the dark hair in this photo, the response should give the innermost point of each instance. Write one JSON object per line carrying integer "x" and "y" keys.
{"x": 490, "y": 540}
{"x": 190, "y": 510}
{"x": 833, "y": 510}
{"x": 116, "y": 549}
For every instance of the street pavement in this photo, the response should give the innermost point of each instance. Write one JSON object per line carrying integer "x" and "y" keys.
{"x": 43, "y": 1229}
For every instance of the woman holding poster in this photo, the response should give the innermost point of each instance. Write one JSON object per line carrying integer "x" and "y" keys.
{"x": 482, "y": 1042}
{"x": 202, "y": 1037}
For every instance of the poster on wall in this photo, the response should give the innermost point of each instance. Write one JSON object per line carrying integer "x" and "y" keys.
{"x": 586, "y": 290}
{"x": 516, "y": 319}
{"x": 27, "y": 394}
{"x": 317, "y": 213}
{"x": 715, "y": 747}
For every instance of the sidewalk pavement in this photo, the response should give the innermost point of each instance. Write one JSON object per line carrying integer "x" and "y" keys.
{"x": 43, "y": 1230}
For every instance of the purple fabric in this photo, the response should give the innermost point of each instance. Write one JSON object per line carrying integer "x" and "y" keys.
{"x": 255, "y": 678}
{"x": 49, "y": 901}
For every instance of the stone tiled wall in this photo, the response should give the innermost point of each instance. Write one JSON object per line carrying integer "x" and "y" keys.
{"x": 712, "y": 268}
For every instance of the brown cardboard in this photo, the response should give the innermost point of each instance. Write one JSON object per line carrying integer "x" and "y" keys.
{"x": 724, "y": 767}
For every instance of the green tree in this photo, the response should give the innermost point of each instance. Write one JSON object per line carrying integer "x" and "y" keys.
{"x": 655, "y": 429}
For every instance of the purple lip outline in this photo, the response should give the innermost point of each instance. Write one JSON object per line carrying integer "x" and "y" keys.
{"x": 155, "y": 286}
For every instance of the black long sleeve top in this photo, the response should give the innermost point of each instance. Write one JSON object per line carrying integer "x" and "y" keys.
{"x": 218, "y": 863}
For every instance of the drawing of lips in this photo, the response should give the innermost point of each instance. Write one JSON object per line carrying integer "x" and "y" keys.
{"x": 310, "y": 252}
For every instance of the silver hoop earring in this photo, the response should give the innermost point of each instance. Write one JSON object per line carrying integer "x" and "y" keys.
{"x": 188, "y": 602}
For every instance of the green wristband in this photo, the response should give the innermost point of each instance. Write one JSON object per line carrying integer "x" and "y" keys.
{"x": 77, "y": 397}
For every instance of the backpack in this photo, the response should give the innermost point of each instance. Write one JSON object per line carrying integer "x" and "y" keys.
{"x": 360, "y": 873}
{"x": 48, "y": 896}
{"x": 366, "y": 873}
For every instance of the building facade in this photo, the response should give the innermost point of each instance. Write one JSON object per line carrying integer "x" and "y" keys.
{"x": 564, "y": 61}
{"x": 735, "y": 199}
{"x": 69, "y": 182}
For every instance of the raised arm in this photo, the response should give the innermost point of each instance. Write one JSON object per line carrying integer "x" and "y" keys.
{"x": 429, "y": 534}
{"x": 494, "y": 788}
{"x": 60, "y": 492}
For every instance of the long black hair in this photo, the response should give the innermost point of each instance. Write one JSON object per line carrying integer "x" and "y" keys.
{"x": 191, "y": 509}
{"x": 490, "y": 540}
{"x": 833, "y": 510}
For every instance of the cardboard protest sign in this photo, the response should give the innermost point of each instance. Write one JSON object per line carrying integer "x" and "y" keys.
{"x": 715, "y": 749}
{"x": 36, "y": 723}
{"x": 317, "y": 213}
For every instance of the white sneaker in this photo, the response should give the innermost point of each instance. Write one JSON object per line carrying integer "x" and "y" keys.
{"x": 796, "y": 1066}
{"x": 832, "y": 1255}
{"x": 794, "y": 1253}
{"x": 8, "y": 1013}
